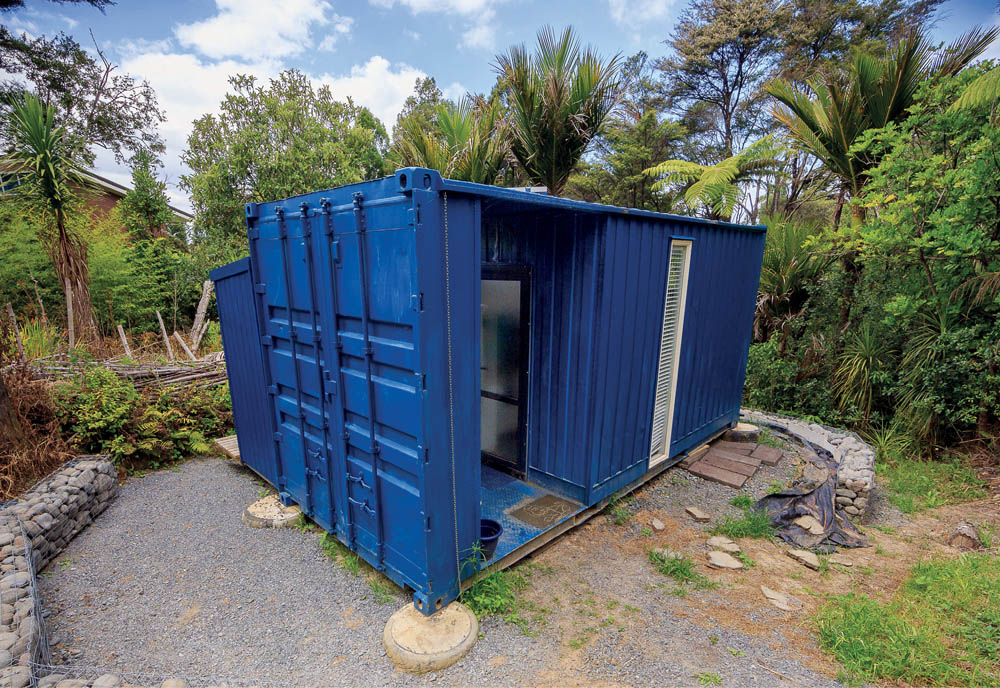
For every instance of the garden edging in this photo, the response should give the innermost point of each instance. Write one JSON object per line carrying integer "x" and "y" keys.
{"x": 855, "y": 458}
{"x": 33, "y": 531}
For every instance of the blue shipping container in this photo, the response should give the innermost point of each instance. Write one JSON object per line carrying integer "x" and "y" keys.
{"x": 410, "y": 355}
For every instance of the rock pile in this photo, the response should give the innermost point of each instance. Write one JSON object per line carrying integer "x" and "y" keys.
{"x": 855, "y": 458}
{"x": 33, "y": 531}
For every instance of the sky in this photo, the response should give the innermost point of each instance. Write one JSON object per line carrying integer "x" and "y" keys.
{"x": 370, "y": 50}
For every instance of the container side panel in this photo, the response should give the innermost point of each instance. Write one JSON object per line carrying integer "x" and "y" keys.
{"x": 245, "y": 369}
{"x": 635, "y": 251}
{"x": 718, "y": 325}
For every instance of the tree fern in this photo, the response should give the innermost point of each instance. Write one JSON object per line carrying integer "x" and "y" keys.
{"x": 984, "y": 91}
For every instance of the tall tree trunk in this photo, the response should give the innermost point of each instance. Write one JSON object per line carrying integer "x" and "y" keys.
{"x": 11, "y": 432}
{"x": 70, "y": 259}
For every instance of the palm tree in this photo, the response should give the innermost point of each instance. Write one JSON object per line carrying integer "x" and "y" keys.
{"x": 469, "y": 141}
{"x": 43, "y": 158}
{"x": 716, "y": 188}
{"x": 558, "y": 98}
{"x": 831, "y": 115}
{"x": 789, "y": 266}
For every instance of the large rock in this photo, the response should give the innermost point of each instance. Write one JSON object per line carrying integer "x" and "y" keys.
{"x": 805, "y": 557}
{"x": 723, "y": 544}
{"x": 781, "y": 600}
{"x": 722, "y": 560}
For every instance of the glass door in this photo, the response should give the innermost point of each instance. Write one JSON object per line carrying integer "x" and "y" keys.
{"x": 504, "y": 365}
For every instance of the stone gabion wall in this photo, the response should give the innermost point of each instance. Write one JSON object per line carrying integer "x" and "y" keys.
{"x": 855, "y": 458}
{"x": 33, "y": 531}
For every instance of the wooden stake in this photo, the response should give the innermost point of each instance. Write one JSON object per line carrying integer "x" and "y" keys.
{"x": 17, "y": 332}
{"x": 38, "y": 295}
{"x": 166, "y": 339}
{"x": 200, "y": 334}
{"x": 121, "y": 333}
{"x": 180, "y": 340}
{"x": 199, "y": 316}
{"x": 69, "y": 315}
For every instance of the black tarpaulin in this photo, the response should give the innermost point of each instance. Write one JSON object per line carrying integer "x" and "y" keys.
{"x": 813, "y": 494}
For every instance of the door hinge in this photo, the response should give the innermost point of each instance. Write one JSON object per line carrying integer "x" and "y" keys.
{"x": 417, "y": 302}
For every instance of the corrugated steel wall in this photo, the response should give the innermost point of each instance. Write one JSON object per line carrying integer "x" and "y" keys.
{"x": 562, "y": 250}
{"x": 244, "y": 366}
{"x": 598, "y": 286}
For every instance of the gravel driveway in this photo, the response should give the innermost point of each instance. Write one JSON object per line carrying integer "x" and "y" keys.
{"x": 169, "y": 582}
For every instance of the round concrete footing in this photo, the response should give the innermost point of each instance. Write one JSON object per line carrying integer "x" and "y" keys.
{"x": 269, "y": 512}
{"x": 418, "y": 644}
{"x": 743, "y": 432}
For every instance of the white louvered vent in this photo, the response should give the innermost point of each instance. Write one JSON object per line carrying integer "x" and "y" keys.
{"x": 670, "y": 345}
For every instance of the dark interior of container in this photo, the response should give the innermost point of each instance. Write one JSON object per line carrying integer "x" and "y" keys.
{"x": 517, "y": 278}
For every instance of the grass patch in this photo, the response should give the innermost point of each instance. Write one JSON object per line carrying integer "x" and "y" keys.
{"x": 336, "y": 552}
{"x": 754, "y": 523}
{"x": 617, "y": 509}
{"x": 681, "y": 569}
{"x": 768, "y": 438}
{"x": 382, "y": 589}
{"x": 915, "y": 485}
{"x": 941, "y": 628}
{"x": 707, "y": 678}
{"x": 742, "y": 501}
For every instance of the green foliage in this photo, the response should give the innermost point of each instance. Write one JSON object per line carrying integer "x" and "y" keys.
{"x": 708, "y": 678}
{"x": 940, "y": 629}
{"x": 863, "y": 365}
{"x": 680, "y": 568}
{"x": 495, "y": 594}
{"x": 467, "y": 141}
{"x": 915, "y": 485}
{"x": 104, "y": 414}
{"x": 559, "y": 98}
{"x": 716, "y": 190}
{"x": 276, "y": 141}
{"x": 617, "y": 508}
{"x": 753, "y": 523}
{"x": 25, "y": 261}
{"x": 131, "y": 280}
{"x": 39, "y": 340}
{"x": 338, "y": 553}
{"x": 145, "y": 211}
{"x": 790, "y": 266}
{"x": 876, "y": 91}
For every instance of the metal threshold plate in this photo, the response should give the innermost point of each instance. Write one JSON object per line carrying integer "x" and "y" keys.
{"x": 544, "y": 511}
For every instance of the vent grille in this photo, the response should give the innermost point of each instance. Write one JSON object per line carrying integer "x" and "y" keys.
{"x": 670, "y": 336}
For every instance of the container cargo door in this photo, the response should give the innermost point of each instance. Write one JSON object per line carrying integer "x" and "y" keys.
{"x": 670, "y": 348}
{"x": 291, "y": 327}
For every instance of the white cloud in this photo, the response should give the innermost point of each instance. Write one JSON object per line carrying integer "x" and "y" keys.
{"x": 454, "y": 91}
{"x": 262, "y": 28}
{"x": 187, "y": 87}
{"x": 479, "y": 34}
{"x": 378, "y": 85}
{"x": 639, "y": 13}
{"x": 339, "y": 27}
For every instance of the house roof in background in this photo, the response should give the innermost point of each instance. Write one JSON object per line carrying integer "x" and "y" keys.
{"x": 121, "y": 190}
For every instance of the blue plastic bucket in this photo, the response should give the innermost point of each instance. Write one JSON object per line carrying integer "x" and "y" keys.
{"x": 489, "y": 535}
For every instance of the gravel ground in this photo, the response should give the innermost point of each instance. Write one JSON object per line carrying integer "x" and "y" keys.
{"x": 169, "y": 582}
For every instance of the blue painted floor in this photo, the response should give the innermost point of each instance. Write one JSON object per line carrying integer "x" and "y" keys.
{"x": 501, "y": 494}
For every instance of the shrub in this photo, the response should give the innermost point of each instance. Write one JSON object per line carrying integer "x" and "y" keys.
{"x": 106, "y": 415}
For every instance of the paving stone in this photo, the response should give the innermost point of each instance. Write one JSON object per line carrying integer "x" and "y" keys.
{"x": 840, "y": 560}
{"x": 718, "y": 475}
{"x": 723, "y": 544}
{"x": 734, "y": 456}
{"x": 768, "y": 455}
{"x": 107, "y": 681}
{"x": 722, "y": 560}
{"x": 657, "y": 524}
{"x": 735, "y": 466}
{"x": 693, "y": 455}
{"x": 804, "y": 557}
{"x": 737, "y": 447}
{"x": 697, "y": 514}
{"x": 781, "y": 600}
{"x": 810, "y": 524}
